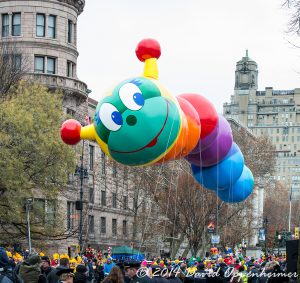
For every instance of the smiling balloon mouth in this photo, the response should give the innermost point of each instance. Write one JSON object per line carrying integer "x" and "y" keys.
{"x": 154, "y": 141}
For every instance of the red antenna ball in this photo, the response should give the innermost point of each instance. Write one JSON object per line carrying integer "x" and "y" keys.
{"x": 70, "y": 132}
{"x": 148, "y": 48}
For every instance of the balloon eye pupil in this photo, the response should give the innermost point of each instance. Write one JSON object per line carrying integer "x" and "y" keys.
{"x": 138, "y": 99}
{"x": 117, "y": 118}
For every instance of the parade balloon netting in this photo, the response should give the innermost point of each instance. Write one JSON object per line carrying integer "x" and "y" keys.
{"x": 140, "y": 123}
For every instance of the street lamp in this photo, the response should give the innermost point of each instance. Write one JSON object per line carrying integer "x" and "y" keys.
{"x": 266, "y": 221}
{"x": 28, "y": 208}
{"x": 83, "y": 174}
{"x": 279, "y": 240}
{"x": 244, "y": 247}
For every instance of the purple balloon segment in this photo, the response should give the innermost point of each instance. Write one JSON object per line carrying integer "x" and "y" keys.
{"x": 217, "y": 150}
{"x": 206, "y": 141}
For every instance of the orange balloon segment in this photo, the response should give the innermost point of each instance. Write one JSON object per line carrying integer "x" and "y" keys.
{"x": 189, "y": 135}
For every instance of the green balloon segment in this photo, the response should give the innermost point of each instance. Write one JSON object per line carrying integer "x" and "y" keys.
{"x": 148, "y": 89}
{"x": 156, "y": 126}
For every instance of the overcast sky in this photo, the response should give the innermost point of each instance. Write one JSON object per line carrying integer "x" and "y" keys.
{"x": 201, "y": 42}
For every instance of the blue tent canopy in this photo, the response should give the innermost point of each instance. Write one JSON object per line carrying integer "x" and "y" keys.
{"x": 126, "y": 253}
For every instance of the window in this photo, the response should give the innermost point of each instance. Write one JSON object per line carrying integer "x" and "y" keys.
{"x": 91, "y": 157}
{"x": 16, "y": 24}
{"x": 91, "y": 224}
{"x": 50, "y": 212}
{"x": 103, "y": 198}
{"x": 125, "y": 202}
{"x": 39, "y": 64}
{"x": 124, "y": 227}
{"x": 51, "y": 65}
{"x": 103, "y": 159}
{"x": 114, "y": 227}
{"x": 114, "y": 200}
{"x": 70, "y": 31}
{"x": 70, "y": 69}
{"x": 91, "y": 195}
{"x": 5, "y": 25}
{"x": 40, "y": 25}
{"x": 16, "y": 61}
{"x": 103, "y": 225}
{"x": 52, "y": 26}
{"x": 70, "y": 214}
{"x": 277, "y": 130}
{"x": 71, "y": 112}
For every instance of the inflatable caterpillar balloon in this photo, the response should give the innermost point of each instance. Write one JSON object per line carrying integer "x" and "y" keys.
{"x": 140, "y": 123}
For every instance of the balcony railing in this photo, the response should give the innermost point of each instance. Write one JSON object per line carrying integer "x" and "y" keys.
{"x": 60, "y": 82}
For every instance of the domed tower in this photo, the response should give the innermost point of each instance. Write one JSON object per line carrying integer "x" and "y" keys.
{"x": 246, "y": 74}
{"x": 44, "y": 33}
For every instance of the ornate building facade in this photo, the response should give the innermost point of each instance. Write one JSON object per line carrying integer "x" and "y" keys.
{"x": 270, "y": 113}
{"x": 44, "y": 33}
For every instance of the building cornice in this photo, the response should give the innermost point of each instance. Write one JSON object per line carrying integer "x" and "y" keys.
{"x": 42, "y": 44}
{"x": 78, "y": 4}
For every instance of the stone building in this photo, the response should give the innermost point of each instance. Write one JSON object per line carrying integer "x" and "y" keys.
{"x": 44, "y": 33}
{"x": 271, "y": 113}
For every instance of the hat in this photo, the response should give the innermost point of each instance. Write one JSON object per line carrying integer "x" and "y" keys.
{"x": 132, "y": 264}
{"x": 63, "y": 271}
{"x": 144, "y": 263}
{"x": 34, "y": 259}
{"x": 45, "y": 258}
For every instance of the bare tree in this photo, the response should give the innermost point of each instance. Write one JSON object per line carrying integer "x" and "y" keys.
{"x": 294, "y": 22}
{"x": 13, "y": 67}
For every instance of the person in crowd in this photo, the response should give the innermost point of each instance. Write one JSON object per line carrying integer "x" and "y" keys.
{"x": 80, "y": 275}
{"x": 30, "y": 271}
{"x": 99, "y": 272}
{"x": 45, "y": 265}
{"x": 65, "y": 275}
{"x": 171, "y": 275}
{"x": 157, "y": 274}
{"x": 115, "y": 276}
{"x": 6, "y": 272}
{"x": 52, "y": 276}
{"x": 131, "y": 269}
{"x": 108, "y": 266}
{"x": 91, "y": 272}
{"x": 253, "y": 272}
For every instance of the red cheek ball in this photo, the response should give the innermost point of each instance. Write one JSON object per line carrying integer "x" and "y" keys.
{"x": 70, "y": 132}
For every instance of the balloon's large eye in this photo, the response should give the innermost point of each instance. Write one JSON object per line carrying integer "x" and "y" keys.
{"x": 110, "y": 117}
{"x": 131, "y": 96}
